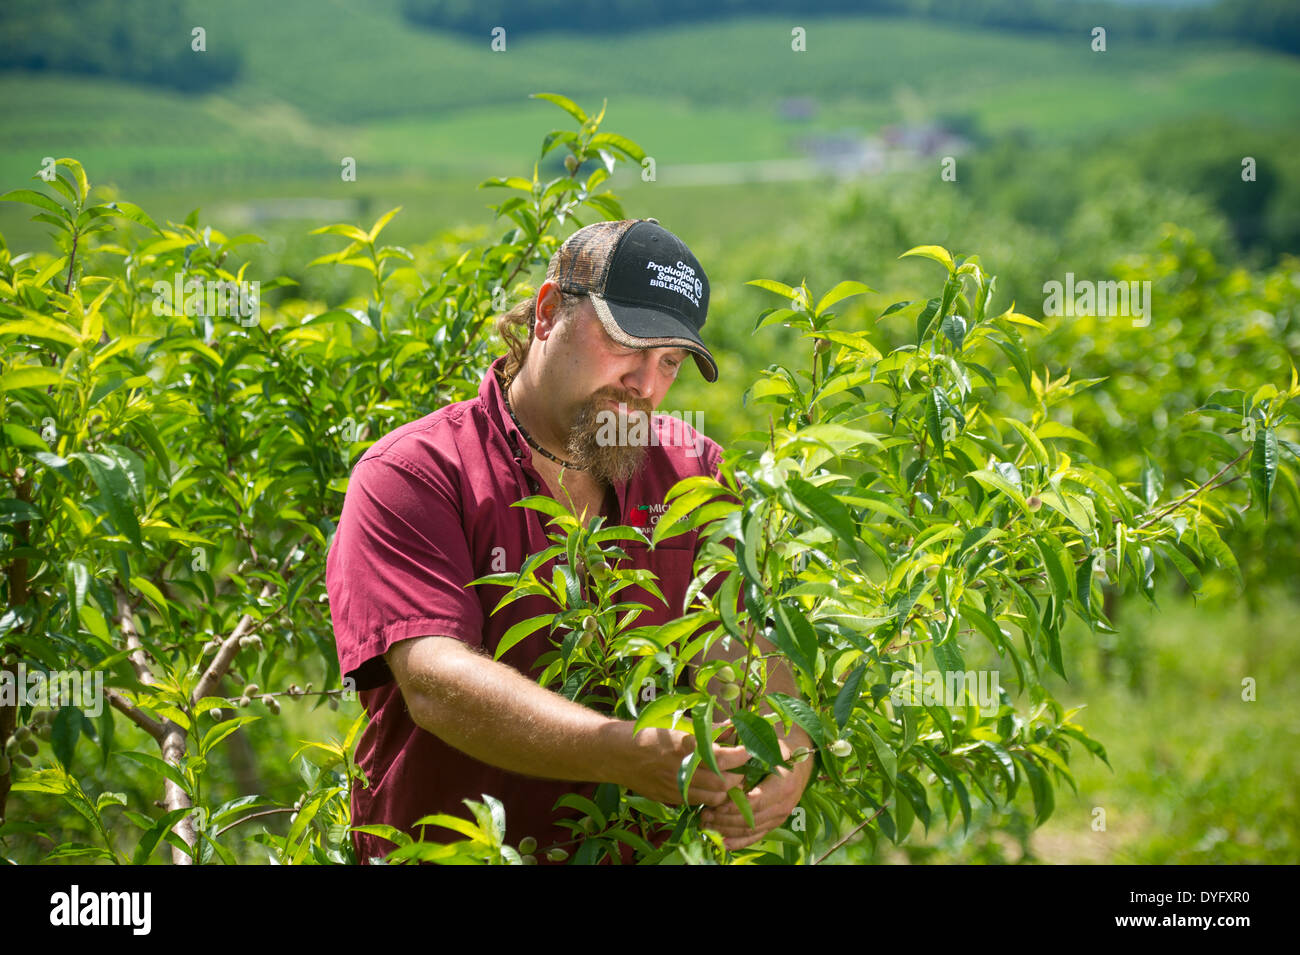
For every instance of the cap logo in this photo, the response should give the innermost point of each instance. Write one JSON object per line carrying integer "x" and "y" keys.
{"x": 679, "y": 278}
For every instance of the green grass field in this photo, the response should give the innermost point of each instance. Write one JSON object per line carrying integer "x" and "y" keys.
{"x": 326, "y": 80}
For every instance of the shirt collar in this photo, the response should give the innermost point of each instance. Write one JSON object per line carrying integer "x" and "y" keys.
{"x": 493, "y": 397}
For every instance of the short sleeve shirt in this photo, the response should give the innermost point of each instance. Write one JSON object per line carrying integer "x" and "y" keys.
{"x": 427, "y": 510}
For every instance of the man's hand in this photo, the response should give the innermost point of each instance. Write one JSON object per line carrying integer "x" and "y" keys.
{"x": 771, "y": 801}
{"x": 659, "y": 756}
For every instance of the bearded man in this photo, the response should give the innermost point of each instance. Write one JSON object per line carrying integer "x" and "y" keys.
{"x": 428, "y": 509}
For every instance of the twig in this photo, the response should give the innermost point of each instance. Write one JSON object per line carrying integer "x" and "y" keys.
{"x": 136, "y": 715}
{"x": 1192, "y": 493}
{"x": 856, "y": 829}
{"x": 265, "y": 812}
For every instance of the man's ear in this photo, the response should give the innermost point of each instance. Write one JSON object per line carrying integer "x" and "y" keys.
{"x": 547, "y": 309}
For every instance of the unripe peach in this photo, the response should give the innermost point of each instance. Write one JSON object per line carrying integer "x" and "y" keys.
{"x": 729, "y": 691}
{"x": 557, "y": 855}
{"x": 529, "y": 860}
{"x": 527, "y": 845}
{"x": 841, "y": 747}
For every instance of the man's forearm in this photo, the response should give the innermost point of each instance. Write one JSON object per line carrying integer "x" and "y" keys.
{"x": 495, "y": 714}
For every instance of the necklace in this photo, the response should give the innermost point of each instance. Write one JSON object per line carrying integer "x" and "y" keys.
{"x": 529, "y": 438}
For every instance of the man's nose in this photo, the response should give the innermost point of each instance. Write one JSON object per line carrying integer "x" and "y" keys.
{"x": 640, "y": 379}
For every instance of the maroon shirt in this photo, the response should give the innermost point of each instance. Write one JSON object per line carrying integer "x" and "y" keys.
{"x": 428, "y": 510}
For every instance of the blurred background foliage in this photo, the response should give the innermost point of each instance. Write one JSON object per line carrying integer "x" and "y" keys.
{"x": 822, "y": 165}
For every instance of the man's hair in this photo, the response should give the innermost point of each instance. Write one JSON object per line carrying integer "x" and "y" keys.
{"x": 516, "y": 329}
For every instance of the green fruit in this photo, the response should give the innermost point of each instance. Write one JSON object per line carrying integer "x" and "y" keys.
{"x": 557, "y": 855}
{"x": 729, "y": 691}
{"x": 841, "y": 747}
{"x": 4, "y": 765}
{"x": 11, "y": 745}
{"x": 800, "y": 754}
{"x": 530, "y": 860}
{"x": 589, "y": 624}
{"x": 584, "y": 641}
{"x": 30, "y": 747}
{"x": 725, "y": 675}
{"x": 527, "y": 845}
{"x": 22, "y": 732}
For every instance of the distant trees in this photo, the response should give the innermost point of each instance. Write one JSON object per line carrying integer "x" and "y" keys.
{"x": 126, "y": 39}
{"x": 1270, "y": 23}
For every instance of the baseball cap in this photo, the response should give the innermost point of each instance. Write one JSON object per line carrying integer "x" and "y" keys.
{"x": 647, "y": 287}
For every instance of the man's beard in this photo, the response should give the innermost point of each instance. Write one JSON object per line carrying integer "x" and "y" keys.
{"x": 599, "y": 439}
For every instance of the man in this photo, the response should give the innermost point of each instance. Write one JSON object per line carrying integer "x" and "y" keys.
{"x": 428, "y": 510}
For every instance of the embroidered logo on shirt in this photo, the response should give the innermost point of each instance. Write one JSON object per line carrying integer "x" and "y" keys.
{"x": 646, "y": 515}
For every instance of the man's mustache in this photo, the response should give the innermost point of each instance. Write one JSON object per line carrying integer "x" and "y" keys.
{"x": 634, "y": 404}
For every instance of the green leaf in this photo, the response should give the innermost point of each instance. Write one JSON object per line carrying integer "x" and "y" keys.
{"x": 1263, "y": 465}
{"x": 840, "y": 292}
{"x": 129, "y": 210}
{"x": 520, "y": 631}
{"x": 847, "y": 698}
{"x": 220, "y": 731}
{"x": 757, "y": 736}
{"x": 149, "y": 841}
{"x": 38, "y": 199}
{"x": 566, "y": 104}
{"x": 111, "y": 478}
{"x": 936, "y": 252}
{"x": 29, "y": 376}
{"x": 887, "y": 757}
{"x": 65, "y": 733}
{"x": 797, "y": 640}
{"x": 702, "y": 718}
{"x": 994, "y": 480}
{"x": 825, "y": 508}
{"x": 158, "y": 767}
{"x": 78, "y": 177}
{"x": 1153, "y": 482}
{"x": 803, "y": 714}
{"x": 621, "y": 143}
{"x": 784, "y": 291}
{"x": 741, "y": 802}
